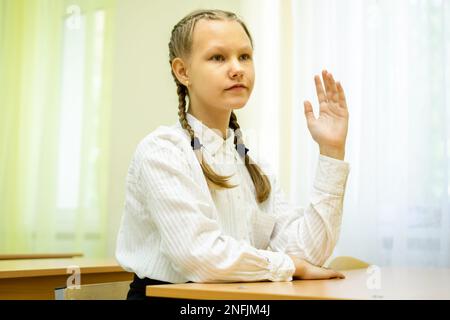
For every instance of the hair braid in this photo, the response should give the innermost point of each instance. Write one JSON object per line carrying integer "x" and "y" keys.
{"x": 182, "y": 92}
{"x": 260, "y": 180}
{"x": 213, "y": 179}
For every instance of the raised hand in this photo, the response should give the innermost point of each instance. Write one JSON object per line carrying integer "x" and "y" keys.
{"x": 329, "y": 130}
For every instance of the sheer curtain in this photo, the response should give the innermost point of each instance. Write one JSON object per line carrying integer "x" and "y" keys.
{"x": 54, "y": 125}
{"x": 393, "y": 58}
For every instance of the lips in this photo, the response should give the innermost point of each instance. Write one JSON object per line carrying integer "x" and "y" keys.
{"x": 236, "y": 86}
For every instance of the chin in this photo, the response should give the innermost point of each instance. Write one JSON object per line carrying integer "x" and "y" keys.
{"x": 238, "y": 104}
{"x": 237, "y": 107}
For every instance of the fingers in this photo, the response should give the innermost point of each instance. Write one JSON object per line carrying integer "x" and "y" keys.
{"x": 331, "y": 93}
{"x": 313, "y": 272}
{"x": 309, "y": 114}
{"x": 338, "y": 275}
{"x": 342, "y": 100}
{"x": 324, "y": 274}
{"x": 327, "y": 83}
{"x": 334, "y": 90}
{"x": 320, "y": 91}
{"x": 330, "y": 85}
{"x": 331, "y": 274}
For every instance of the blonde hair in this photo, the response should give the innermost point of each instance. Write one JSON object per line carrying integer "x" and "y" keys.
{"x": 180, "y": 45}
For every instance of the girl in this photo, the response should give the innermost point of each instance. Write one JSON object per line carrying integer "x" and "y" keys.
{"x": 197, "y": 208}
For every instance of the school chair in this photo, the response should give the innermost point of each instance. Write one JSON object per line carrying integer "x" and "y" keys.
{"x": 347, "y": 263}
{"x": 98, "y": 291}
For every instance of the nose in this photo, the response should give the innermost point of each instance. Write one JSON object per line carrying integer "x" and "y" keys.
{"x": 236, "y": 69}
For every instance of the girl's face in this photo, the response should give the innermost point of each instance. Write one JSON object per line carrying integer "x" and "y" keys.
{"x": 221, "y": 57}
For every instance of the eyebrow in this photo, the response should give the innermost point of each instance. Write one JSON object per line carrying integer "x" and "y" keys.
{"x": 224, "y": 48}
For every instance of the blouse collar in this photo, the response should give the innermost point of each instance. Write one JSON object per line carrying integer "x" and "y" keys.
{"x": 211, "y": 139}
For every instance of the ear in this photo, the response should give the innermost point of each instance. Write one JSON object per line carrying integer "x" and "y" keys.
{"x": 180, "y": 70}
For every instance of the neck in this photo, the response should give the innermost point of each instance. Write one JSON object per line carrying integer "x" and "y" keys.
{"x": 217, "y": 121}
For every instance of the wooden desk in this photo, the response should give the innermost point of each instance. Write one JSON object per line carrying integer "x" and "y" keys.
{"x": 38, "y": 278}
{"x": 395, "y": 283}
{"x": 39, "y": 256}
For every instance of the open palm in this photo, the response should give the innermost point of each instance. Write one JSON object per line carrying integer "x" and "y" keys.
{"x": 330, "y": 128}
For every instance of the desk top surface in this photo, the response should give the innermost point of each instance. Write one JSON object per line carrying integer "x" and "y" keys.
{"x": 380, "y": 283}
{"x": 51, "y": 267}
{"x": 40, "y": 256}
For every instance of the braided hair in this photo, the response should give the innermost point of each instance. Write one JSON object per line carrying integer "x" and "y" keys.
{"x": 180, "y": 45}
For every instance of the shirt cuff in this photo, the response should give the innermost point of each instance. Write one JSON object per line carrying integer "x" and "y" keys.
{"x": 331, "y": 175}
{"x": 280, "y": 266}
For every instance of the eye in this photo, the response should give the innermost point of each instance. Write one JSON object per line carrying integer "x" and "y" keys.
{"x": 246, "y": 57}
{"x": 217, "y": 57}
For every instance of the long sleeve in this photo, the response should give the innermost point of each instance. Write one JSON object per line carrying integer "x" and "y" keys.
{"x": 190, "y": 237}
{"x": 311, "y": 233}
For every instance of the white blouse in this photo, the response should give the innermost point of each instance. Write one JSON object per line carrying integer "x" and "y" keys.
{"x": 176, "y": 228}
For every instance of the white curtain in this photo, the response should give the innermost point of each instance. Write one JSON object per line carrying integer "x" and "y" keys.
{"x": 393, "y": 58}
{"x": 55, "y": 70}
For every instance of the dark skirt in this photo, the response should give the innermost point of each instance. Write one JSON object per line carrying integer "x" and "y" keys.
{"x": 138, "y": 286}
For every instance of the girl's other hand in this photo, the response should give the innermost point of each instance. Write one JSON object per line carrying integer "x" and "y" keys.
{"x": 307, "y": 271}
